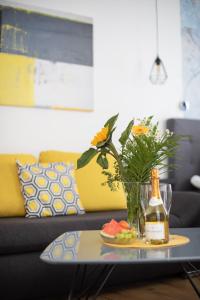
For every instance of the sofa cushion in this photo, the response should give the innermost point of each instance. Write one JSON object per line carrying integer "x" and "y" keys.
{"x": 19, "y": 235}
{"x": 186, "y": 158}
{"x": 11, "y": 199}
{"x": 49, "y": 190}
{"x": 93, "y": 195}
{"x": 185, "y": 210}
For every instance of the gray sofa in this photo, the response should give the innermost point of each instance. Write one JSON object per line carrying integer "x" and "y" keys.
{"x": 187, "y": 156}
{"x": 24, "y": 276}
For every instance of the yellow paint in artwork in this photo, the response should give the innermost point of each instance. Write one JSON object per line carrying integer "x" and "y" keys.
{"x": 72, "y": 108}
{"x": 16, "y": 80}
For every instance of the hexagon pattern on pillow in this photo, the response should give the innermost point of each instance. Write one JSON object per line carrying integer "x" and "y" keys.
{"x": 65, "y": 247}
{"x": 49, "y": 189}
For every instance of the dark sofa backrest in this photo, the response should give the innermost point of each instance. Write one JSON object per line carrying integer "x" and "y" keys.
{"x": 187, "y": 157}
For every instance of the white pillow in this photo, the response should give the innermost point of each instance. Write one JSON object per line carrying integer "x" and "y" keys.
{"x": 195, "y": 181}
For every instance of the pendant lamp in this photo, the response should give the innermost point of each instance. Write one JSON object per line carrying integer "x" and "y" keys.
{"x": 158, "y": 74}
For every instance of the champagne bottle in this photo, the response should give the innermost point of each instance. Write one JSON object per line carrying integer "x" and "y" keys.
{"x": 156, "y": 219}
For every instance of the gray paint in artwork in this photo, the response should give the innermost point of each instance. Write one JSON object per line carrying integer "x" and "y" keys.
{"x": 190, "y": 21}
{"x": 46, "y": 37}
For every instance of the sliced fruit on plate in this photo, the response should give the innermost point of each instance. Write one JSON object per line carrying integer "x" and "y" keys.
{"x": 124, "y": 224}
{"x": 118, "y": 232}
{"x": 112, "y": 228}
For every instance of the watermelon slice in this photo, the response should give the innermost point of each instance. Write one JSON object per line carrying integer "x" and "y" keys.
{"x": 118, "y": 232}
{"x": 112, "y": 228}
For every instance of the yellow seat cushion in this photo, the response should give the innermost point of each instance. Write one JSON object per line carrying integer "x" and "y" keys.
{"x": 93, "y": 195}
{"x": 11, "y": 199}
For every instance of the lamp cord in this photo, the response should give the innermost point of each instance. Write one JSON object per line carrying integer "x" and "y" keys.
{"x": 157, "y": 34}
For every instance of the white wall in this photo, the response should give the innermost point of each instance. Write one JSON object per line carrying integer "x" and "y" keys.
{"x": 124, "y": 50}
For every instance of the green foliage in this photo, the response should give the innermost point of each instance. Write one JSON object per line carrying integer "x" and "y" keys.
{"x": 111, "y": 122}
{"x": 125, "y": 134}
{"x": 112, "y": 179}
{"x": 102, "y": 161}
{"x": 140, "y": 153}
{"x": 86, "y": 157}
{"x": 141, "y": 150}
{"x": 144, "y": 152}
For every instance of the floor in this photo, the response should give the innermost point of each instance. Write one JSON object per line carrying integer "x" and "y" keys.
{"x": 168, "y": 289}
{"x": 176, "y": 288}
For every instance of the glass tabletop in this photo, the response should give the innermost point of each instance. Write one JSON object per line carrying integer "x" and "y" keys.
{"x": 87, "y": 247}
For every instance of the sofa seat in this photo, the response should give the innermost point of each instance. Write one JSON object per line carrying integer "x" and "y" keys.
{"x": 21, "y": 235}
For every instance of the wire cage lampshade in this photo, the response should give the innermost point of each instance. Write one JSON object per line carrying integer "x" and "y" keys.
{"x": 158, "y": 74}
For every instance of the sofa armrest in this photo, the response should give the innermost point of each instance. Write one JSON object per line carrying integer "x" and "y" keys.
{"x": 185, "y": 210}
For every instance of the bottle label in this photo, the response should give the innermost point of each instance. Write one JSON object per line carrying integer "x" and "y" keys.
{"x": 155, "y": 201}
{"x": 155, "y": 230}
{"x": 156, "y": 253}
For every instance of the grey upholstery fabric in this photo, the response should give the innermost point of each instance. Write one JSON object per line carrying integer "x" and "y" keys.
{"x": 185, "y": 210}
{"x": 23, "y": 235}
{"x": 19, "y": 235}
{"x": 187, "y": 157}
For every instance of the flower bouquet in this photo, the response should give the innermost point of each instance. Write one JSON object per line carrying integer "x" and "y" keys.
{"x": 142, "y": 147}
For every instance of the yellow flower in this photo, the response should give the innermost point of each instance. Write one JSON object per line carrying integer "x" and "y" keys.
{"x": 139, "y": 130}
{"x": 100, "y": 136}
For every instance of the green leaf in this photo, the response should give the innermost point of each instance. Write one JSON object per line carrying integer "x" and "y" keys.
{"x": 86, "y": 157}
{"x": 104, "y": 151}
{"x": 102, "y": 161}
{"x": 125, "y": 134}
{"x": 111, "y": 122}
{"x": 148, "y": 121}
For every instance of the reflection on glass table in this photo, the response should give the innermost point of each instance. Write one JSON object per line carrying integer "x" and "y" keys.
{"x": 85, "y": 250}
{"x": 88, "y": 247}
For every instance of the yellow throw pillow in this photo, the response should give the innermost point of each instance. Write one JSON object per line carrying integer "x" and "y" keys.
{"x": 49, "y": 189}
{"x": 93, "y": 195}
{"x": 11, "y": 199}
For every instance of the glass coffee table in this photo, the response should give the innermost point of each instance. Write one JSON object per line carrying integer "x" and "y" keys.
{"x": 84, "y": 248}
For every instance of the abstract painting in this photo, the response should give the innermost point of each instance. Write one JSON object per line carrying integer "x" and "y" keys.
{"x": 45, "y": 61}
{"x": 190, "y": 25}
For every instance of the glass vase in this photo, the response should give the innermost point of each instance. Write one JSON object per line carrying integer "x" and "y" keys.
{"x": 134, "y": 210}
